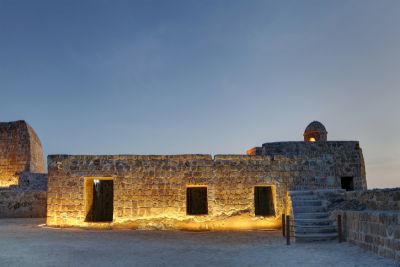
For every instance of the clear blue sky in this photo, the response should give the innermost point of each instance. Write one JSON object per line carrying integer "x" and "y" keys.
{"x": 171, "y": 77}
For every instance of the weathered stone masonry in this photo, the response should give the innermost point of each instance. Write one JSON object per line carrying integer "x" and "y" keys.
{"x": 377, "y": 227}
{"x": 322, "y": 165}
{"x": 23, "y": 183}
{"x": 20, "y": 151}
{"x": 150, "y": 191}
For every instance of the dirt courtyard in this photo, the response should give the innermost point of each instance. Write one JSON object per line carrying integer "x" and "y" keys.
{"x": 23, "y": 243}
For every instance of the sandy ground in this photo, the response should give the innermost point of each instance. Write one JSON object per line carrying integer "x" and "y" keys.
{"x": 23, "y": 243}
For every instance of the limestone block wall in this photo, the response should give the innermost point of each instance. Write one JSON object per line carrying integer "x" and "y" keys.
{"x": 150, "y": 191}
{"x": 28, "y": 199}
{"x": 374, "y": 230}
{"x": 22, "y": 204}
{"x": 318, "y": 165}
{"x": 20, "y": 150}
{"x": 377, "y": 199}
{"x": 36, "y": 154}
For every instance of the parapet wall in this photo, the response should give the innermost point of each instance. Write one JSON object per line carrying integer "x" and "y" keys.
{"x": 321, "y": 164}
{"x": 20, "y": 151}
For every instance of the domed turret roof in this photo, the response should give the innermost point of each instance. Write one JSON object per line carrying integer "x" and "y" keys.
{"x": 314, "y": 132}
{"x": 315, "y": 126}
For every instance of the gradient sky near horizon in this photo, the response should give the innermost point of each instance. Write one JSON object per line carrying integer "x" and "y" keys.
{"x": 215, "y": 77}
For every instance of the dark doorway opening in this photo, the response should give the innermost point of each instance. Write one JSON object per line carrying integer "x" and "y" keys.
{"x": 99, "y": 200}
{"x": 347, "y": 183}
{"x": 264, "y": 201}
{"x": 196, "y": 201}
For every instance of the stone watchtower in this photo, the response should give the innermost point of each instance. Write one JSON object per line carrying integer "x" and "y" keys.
{"x": 315, "y": 132}
{"x": 20, "y": 151}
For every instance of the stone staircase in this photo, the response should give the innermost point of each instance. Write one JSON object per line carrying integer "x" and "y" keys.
{"x": 311, "y": 217}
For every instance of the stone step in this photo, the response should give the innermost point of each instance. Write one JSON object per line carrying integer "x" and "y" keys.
{"x": 298, "y": 203}
{"x": 301, "y": 193}
{"x": 308, "y": 209}
{"x": 306, "y": 197}
{"x": 314, "y": 229}
{"x": 315, "y": 237}
{"x": 323, "y": 221}
{"x": 311, "y": 215}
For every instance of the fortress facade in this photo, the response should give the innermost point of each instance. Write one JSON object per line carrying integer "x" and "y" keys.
{"x": 313, "y": 181}
{"x": 248, "y": 191}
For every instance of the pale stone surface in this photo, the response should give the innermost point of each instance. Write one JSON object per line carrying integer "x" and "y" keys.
{"x": 24, "y": 244}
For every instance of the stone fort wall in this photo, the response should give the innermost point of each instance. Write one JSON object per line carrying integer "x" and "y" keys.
{"x": 320, "y": 164}
{"x": 20, "y": 151}
{"x": 151, "y": 190}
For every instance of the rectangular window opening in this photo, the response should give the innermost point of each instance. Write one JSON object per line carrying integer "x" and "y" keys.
{"x": 99, "y": 200}
{"x": 196, "y": 201}
{"x": 264, "y": 201}
{"x": 347, "y": 183}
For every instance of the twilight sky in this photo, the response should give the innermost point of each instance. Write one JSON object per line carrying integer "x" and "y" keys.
{"x": 215, "y": 77}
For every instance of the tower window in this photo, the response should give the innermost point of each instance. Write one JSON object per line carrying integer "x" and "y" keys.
{"x": 347, "y": 183}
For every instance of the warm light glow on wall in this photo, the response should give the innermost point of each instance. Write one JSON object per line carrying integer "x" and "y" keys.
{"x": 312, "y": 139}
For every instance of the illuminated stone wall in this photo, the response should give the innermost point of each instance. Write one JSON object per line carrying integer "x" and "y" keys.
{"x": 20, "y": 150}
{"x": 150, "y": 191}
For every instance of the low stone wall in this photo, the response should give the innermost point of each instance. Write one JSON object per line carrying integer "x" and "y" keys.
{"x": 28, "y": 199}
{"x": 22, "y": 204}
{"x": 377, "y": 199}
{"x": 376, "y": 225}
{"x": 376, "y": 231}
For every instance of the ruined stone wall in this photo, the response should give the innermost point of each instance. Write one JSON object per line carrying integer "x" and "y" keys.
{"x": 319, "y": 165}
{"x": 20, "y": 150}
{"x": 150, "y": 191}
